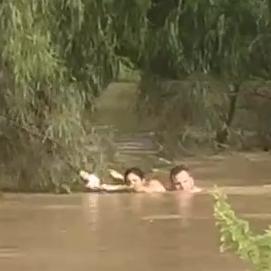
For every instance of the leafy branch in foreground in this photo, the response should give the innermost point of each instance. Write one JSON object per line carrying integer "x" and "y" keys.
{"x": 237, "y": 236}
{"x": 211, "y": 41}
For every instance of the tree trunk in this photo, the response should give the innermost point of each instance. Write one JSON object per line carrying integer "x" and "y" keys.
{"x": 223, "y": 133}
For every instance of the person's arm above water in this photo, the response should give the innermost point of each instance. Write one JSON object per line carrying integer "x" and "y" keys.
{"x": 94, "y": 183}
{"x": 116, "y": 187}
{"x": 116, "y": 175}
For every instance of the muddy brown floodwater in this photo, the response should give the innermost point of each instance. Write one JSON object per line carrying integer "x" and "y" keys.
{"x": 118, "y": 232}
{"x": 134, "y": 231}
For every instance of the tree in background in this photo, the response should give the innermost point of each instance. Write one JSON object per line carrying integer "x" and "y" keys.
{"x": 225, "y": 41}
{"x": 56, "y": 57}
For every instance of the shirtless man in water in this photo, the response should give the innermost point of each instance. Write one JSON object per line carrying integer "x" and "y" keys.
{"x": 134, "y": 181}
{"x": 181, "y": 179}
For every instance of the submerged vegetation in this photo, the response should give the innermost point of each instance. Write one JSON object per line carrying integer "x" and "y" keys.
{"x": 57, "y": 57}
{"x": 237, "y": 236}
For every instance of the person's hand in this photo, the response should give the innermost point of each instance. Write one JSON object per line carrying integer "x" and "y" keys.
{"x": 115, "y": 175}
{"x": 92, "y": 180}
{"x": 84, "y": 175}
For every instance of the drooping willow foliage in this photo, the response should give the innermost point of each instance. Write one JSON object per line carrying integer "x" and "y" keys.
{"x": 228, "y": 41}
{"x": 57, "y": 56}
{"x": 60, "y": 54}
{"x": 221, "y": 37}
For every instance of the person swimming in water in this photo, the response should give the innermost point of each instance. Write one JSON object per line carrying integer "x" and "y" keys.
{"x": 133, "y": 178}
{"x": 94, "y": 184}
{"x": 135, "y": 181}
{"x": 181, "y": 179}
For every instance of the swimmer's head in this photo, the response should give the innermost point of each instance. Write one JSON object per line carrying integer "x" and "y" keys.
{"x": 181, "y": 179}
{"x": 133, "y": 176}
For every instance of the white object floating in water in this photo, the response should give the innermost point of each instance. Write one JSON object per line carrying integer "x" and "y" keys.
{"x": 92, "y": 180}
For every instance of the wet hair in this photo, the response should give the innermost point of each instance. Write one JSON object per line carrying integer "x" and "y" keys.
{"x": 176, "y": 170}
{"x": 135, "y": 170}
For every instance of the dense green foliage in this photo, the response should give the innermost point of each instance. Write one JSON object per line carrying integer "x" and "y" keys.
{"x": 237, "y": 236}
{"x": 218, "y": 46}
{"x": 57, "y": 56}
{"x": 224, "y": 38}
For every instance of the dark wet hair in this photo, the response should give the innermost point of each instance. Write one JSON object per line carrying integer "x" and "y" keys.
{"x": 135, "y": 170}
{"x": 177, "y": 169}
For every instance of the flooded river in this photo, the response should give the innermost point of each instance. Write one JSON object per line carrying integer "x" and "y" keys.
{"x": 132, "y": 232}
{"x": 118, "y": 232}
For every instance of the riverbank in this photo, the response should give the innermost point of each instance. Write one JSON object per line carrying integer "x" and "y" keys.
{"x": 133, "y": 141}
{"x": 233, "y": 169}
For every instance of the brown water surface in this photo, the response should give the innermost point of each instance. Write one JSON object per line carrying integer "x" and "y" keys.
{"x": 133, "y": 232}
{"x": 118, "y": 232}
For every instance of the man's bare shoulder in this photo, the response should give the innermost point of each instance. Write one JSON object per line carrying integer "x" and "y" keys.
{"x": 156, "y": 185}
